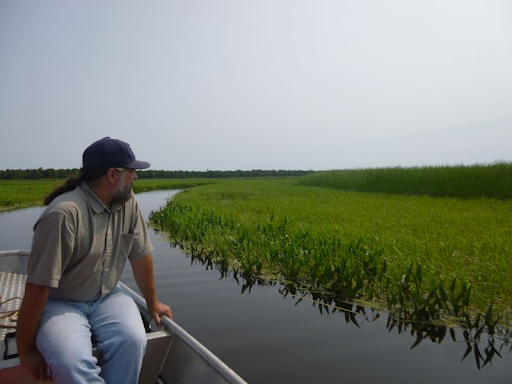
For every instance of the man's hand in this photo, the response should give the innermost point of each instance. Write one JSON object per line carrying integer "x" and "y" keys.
{"x": 36, "y": 364}
{"x": 158, "y": 309}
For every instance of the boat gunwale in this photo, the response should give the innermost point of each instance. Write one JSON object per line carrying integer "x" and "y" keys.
{"x": 168, "y": 324}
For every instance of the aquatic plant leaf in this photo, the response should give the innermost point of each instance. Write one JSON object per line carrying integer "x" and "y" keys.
{"x": 361, "y": 310}
{"x": 452, "y": 286}
{"x": 384, "y": 266}
{"x": 488, "y": 316}
{"x": 468, "y": 351}
{"x": 390, "y": 323}
{"x": 442, "y": 334}
{"x": 442, "y": 292}
{"x": 408, "y": 274}
{"x": 419, "y": 273}
{"x": 467, "y": 294}
{"x": 477, "y": 320}
{"x": 491, "y": 345}
{"x": 452, "y": 334}
{"x": 468, "y": 321}
{"x": 431, "y": 294}
{"x": 419, "y": 339}
{"x": 353, "y": 319}
{"x": 478, "y": 356}
{"x": 489, "y": 353}
{"x": 478, "y": 333}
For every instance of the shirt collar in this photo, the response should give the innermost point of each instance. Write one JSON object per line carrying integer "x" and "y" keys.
{"x": 94, "y": 201}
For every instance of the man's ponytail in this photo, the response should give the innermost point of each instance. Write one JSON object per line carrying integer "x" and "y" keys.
{"x": 73, "y": 182}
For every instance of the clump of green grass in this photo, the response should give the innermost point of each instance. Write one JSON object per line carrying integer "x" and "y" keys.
{"x": 424, "y": 258}
{"x": 480, "y": 180}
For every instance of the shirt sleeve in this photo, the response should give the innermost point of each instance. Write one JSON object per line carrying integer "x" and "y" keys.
{"x": 142, "y": 245}
{"x": 52, "y": 247}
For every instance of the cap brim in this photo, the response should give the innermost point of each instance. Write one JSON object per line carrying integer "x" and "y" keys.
{"x": 138, "y": 165}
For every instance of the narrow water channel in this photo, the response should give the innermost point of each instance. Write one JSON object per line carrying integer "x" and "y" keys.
{"x": 267, "y": 337}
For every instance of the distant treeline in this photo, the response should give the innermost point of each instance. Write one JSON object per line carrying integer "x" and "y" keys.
{"x": 40, "y": 173}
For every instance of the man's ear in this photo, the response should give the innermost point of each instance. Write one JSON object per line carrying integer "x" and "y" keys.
{"x": 111, "y": 176}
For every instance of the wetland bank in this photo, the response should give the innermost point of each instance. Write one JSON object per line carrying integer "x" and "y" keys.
{"x": 428, "y": 257}
{"x": 323, "y": 250}
{"x": 428, "y": 244}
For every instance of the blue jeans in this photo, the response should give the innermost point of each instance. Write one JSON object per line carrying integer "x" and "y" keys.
{"x": 114, "y": 322}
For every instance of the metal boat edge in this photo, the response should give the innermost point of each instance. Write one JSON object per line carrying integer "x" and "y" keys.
{"x": 172, "y": 354}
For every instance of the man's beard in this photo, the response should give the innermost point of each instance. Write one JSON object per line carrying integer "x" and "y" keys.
{"x": 122, "y": 194}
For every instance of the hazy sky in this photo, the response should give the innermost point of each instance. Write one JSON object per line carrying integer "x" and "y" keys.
{"x": 262, "y": 84}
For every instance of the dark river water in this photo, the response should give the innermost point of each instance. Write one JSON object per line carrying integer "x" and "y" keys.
{"x": 269, "y": 338}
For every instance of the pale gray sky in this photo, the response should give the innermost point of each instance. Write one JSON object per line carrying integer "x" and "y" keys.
{"x": 263, "y": 84}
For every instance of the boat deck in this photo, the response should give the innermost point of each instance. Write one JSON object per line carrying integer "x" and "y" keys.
{"x": 12, "y": 288}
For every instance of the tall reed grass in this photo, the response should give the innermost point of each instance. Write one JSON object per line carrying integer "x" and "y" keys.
{"x": 480, "y": 180}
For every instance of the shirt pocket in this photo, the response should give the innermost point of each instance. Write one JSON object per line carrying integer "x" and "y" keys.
{"x": 125, "y": 244}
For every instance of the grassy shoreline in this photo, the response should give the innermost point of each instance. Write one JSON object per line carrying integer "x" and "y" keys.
{"x": 424, "y": 257}
{"x": 18, "y": 194}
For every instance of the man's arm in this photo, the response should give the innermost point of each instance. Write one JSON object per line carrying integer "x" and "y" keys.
{"x": 32, "y": 308}
{"x": 143, "y": 273}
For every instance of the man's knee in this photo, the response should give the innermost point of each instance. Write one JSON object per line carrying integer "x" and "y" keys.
{"x": 134, "y": 337}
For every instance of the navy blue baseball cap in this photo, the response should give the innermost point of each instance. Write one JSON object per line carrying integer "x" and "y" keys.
{"x": 111, "y": 153}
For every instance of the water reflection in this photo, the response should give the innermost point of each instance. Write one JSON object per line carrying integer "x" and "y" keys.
{"x": 482, "y": 342}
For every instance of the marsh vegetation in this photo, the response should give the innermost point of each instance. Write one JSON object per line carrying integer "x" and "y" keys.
{"x": 25, "y": 193}
{"x": 431, "y": 244}
{"x": 479, "y": 180}
{"x": 427, "y": 259}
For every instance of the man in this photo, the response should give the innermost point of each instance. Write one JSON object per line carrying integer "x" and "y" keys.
{"x": 91, "y": 226}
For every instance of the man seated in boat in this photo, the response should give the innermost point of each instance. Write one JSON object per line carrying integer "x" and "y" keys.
{"x": 81, "y": 242}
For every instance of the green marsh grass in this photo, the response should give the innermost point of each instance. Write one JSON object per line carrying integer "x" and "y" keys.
{"x": 24, "y": 193}
{"x": 145, "y": 185}
{"x": 480, "y": 180}
{"x": 421, "y": 257}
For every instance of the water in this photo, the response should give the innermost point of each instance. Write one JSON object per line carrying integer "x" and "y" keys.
{"x": 266, "y": 338}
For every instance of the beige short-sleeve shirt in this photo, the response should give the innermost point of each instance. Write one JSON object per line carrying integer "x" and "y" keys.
{"x": 80, "y": 247}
